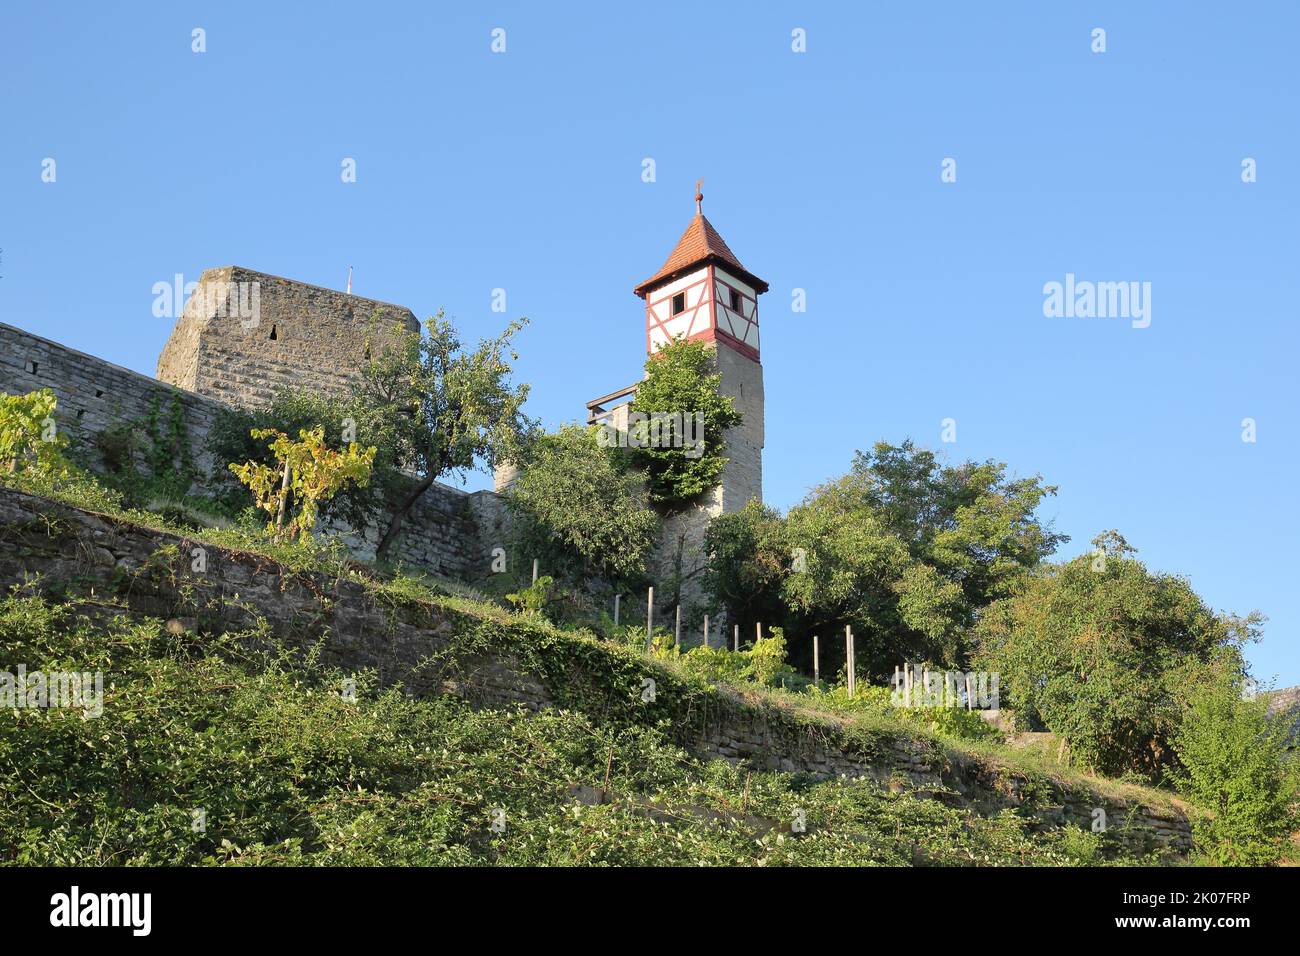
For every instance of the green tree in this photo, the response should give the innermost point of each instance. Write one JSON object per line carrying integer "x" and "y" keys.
{"x": 748, "y": 560}
{"x": 905, "y": 550}
{"x": 1235, "y": 767}
{"x": 581, "y": 509}
{"x": 450, "y": 409}
{"x": 682, "y": 380}
{"x": 1098, "y": 650}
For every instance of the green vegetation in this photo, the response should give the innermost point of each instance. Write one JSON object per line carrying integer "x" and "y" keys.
{"x": 29, "y": 438}
{"x": 449, "y": 408}
{"x": 216, "y": 752}
{"x": 426, "y": 404}
{"x": 307, "y": 473}
{"x": 1235, "y": 767}
{"x": 1103, "y": 653}
{"x": 581, "y": 510}
{"x": 904, "y": 549}
{"x": 681, "y": 379}
{"x": 1131, "y": 672}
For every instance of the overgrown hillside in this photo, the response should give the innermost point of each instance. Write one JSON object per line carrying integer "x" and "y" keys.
{"x": 212, "y": 751}
{"x": 230, "y": 733}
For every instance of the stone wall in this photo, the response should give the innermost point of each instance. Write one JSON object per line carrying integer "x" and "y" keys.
{"x": 442, "y": 537}
{"x": 88, "y": 554}
{"x": 95, "y": 395}
{"x": 243, "y": 334}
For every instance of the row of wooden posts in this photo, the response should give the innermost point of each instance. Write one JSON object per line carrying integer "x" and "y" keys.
{"x": 850, "y": 646}
{"x": 850, "y": 639}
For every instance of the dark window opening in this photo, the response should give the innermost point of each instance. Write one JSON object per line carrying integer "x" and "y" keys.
{"x": 735, "y": 301}
{"x": 679, "y": 303}
{"x": 99, "y": 393}
{"x": 273, "y": 335}
{"x": 80, "y": 412}
{"x": 31, "y": 367}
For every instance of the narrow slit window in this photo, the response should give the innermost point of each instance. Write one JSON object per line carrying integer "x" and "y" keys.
{"x": 735, "y": 301}
{"x": 273, "y": 335}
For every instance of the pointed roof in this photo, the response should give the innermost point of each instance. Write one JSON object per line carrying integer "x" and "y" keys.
{"x": 699, "y": 244}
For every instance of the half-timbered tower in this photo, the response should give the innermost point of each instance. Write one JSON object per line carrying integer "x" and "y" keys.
{"x": 703, "y": 293}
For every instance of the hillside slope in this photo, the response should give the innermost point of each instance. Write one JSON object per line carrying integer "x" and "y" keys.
{"x": 474, "y": 736}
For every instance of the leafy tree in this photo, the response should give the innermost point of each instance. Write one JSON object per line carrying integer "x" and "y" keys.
{"x": 29, "y": 439}
{"x": 1099, "y": 650}
{"x": 1235, "y": 767}
{"x": 310, "y": 472}
{"x": 449, "y": 408}
{"x": 682, "y": 379}
{"x": 581, "y": 509}
{"x": 903, "y": 549}
{"x": 748, "y": 560}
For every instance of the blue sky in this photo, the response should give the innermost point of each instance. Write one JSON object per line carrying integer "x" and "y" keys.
{"x": 522, "y": 171}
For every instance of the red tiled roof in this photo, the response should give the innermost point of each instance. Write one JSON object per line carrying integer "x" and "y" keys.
{"x": 699, "y": 243}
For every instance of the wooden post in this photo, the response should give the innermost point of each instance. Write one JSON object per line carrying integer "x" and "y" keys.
{"x": 677, "y": 628}
{"x": 534, "y": 570}
{"x": 907, "y": 683}
{"x": 735, "y": 645}
{"x": 649, "y": 616}
{"x": 616, "y": 599}
{"x": 817, "y": 663}
{"x": 284, "y": 497}
{"x": 758, "y": 633}
{"x": 706, "y": 630}
{"x": 852, "y": 664}
{"x": 968, "y": 693}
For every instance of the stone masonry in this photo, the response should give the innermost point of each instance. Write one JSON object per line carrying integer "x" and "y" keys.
{"x": 451, "y": 533}
{"x": 243, "y": 334}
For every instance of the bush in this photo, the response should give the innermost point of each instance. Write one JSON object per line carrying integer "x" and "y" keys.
{"x": 1097, "y": 651}
{"x": 1235, "y": 768}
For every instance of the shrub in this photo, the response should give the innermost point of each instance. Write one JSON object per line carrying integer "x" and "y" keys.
{"x": 1235, "y": 768}
{"x": 29, "y": 438}
{"x": 309, "y": 473}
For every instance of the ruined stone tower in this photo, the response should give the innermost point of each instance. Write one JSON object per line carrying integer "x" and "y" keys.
{"x": 703, "y": 293}
{"x": 243, "y": 334}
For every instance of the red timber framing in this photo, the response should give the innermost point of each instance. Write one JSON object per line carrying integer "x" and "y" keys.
{"x": 701, "y": 318}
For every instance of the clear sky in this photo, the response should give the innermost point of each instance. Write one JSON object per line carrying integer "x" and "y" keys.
{"x": 522, "y": 170}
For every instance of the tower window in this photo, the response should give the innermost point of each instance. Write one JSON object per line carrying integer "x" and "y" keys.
{"x": 735, "y": 301}
{"x": 679, "y": 303}
{"x": 273, "y": 335}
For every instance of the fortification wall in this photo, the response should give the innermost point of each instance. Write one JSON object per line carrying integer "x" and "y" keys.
{"x": 450, "y": 532}
{"x": 94, "y": 394}
{"x": 244, "y": 334}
